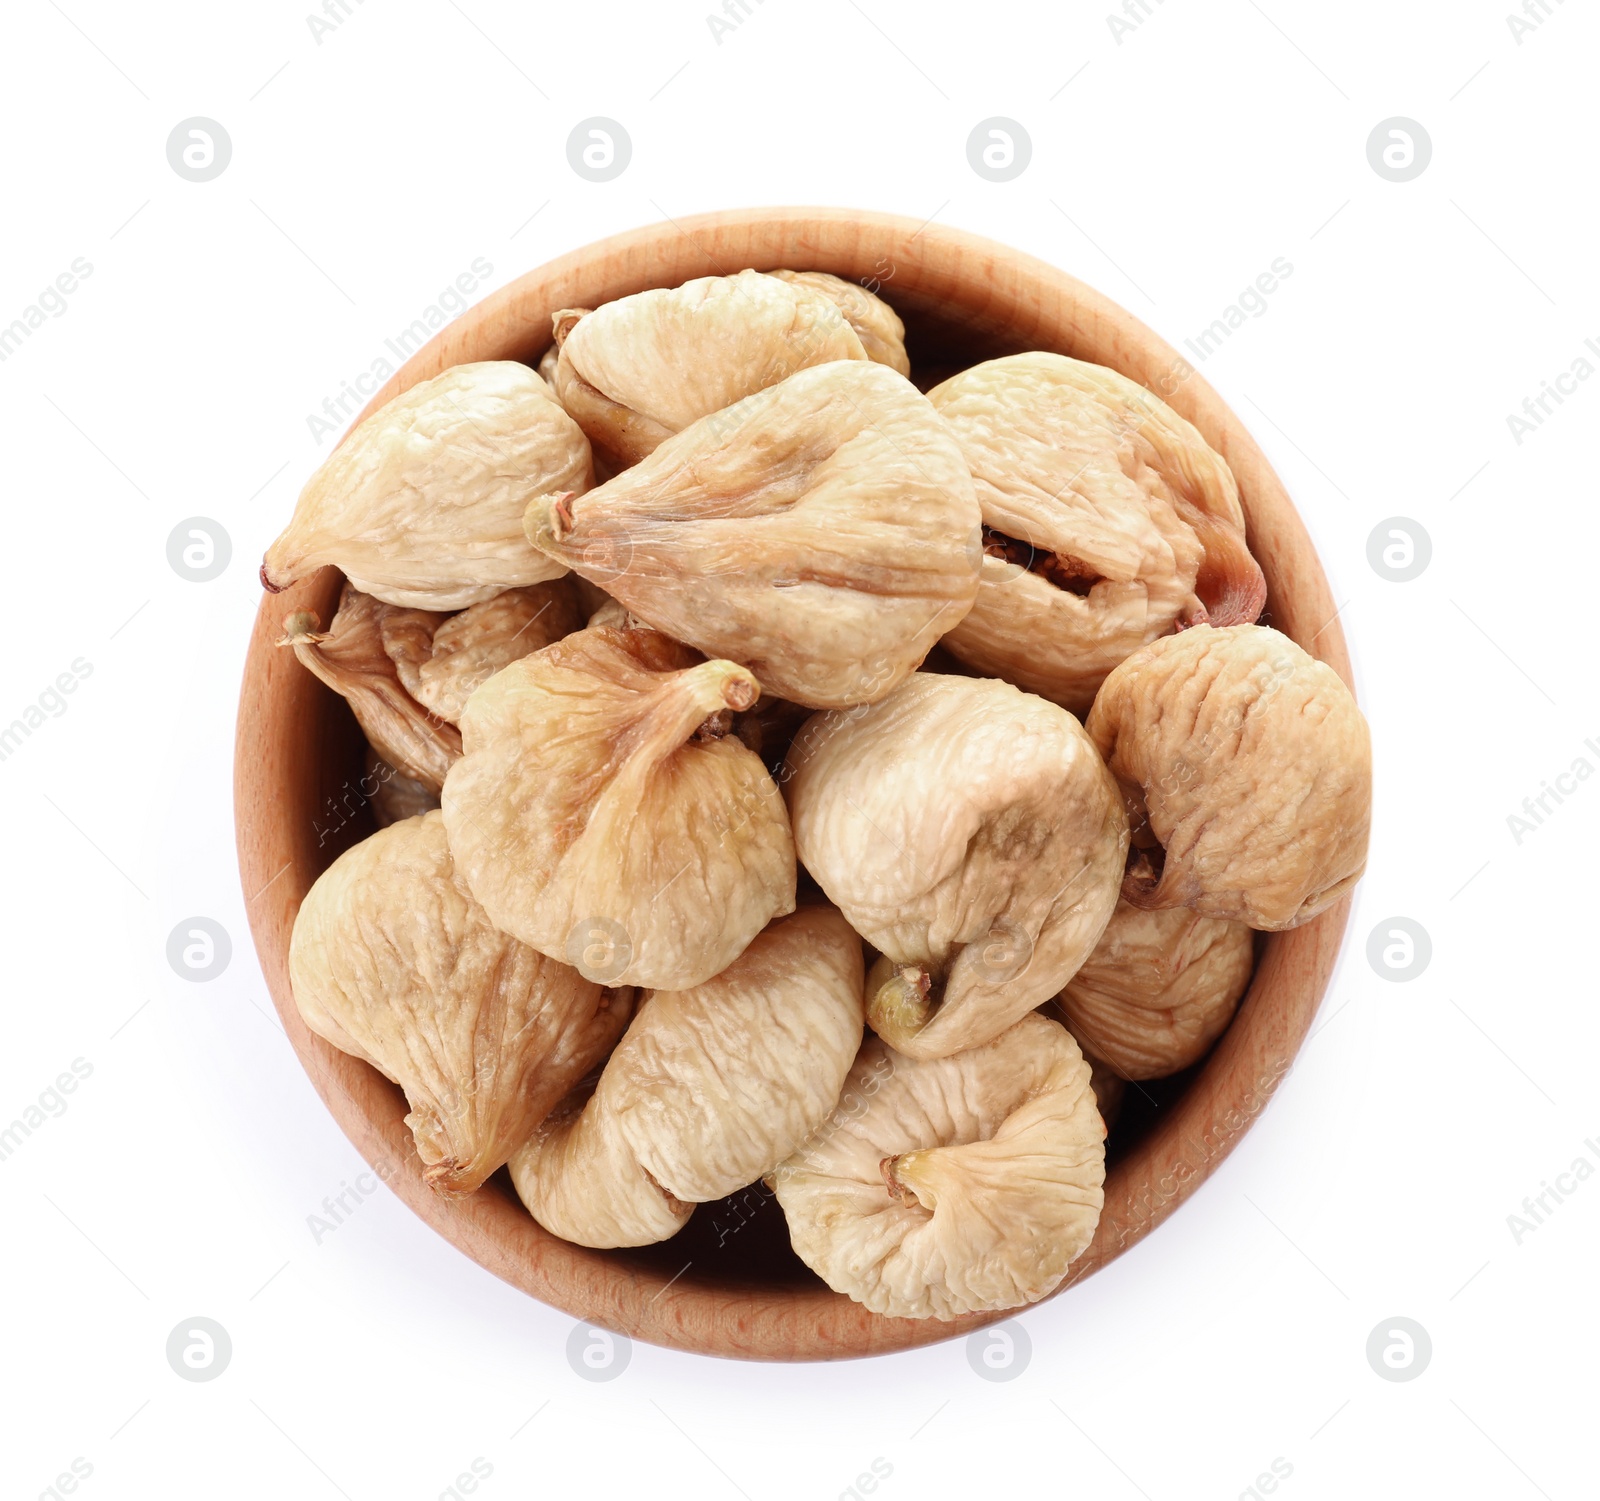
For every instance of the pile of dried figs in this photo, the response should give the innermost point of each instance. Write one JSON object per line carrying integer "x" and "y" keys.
{"x": 786, "y": 776}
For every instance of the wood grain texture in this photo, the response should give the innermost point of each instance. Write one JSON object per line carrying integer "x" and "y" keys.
{"x": 298, "y": 799}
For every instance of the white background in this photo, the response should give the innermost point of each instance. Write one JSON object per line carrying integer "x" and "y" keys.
{"x": 1168, "y": 169}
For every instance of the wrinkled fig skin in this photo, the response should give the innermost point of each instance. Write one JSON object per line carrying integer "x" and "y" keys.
{"x": 1248, "y": 772}
{"x": 442, "y": 668}
{"x": 394, "y": 962}
{"x": 595, "y": 805}
{"x": 1108, "y": 522}
{"x": 1159, "y": 989}
{"x": 350, "y": 658}
{"x": 711, "y": 1088}
{"x": 822, "y": 532}
{"x": 422, "y": 504}
{"x": 953, "y": 1186}
{"x": 877, "y": 325}
{"x": 970, "y": 833}
{"x": 639, "y": 369}
{"x": 393, "y": 795}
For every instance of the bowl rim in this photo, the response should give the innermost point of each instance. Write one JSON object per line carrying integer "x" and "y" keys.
{"x": 996, "y": 292}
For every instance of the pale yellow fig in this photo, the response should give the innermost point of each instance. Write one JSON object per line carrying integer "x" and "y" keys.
{"x": 393, "y": 795}
{"x": 443, "y": 666}
{"x": 970, "y": 833}
{"x": 603, "y": 813}
{"x": 710, "y": 1088}
{"x": 1108, "y": 521}
{"x": 393, "y": 961}
{"x": 1159, "y": 989}
{"x": 877, "y": 325}
{"x": 822, "y": 532}
{"x": 639, "y": 369}
{"x": 350, "y": 658}
{"x": 950, "y": 1186}
{"x": 1247, "y": 769}
{"x": 422, "y": 503}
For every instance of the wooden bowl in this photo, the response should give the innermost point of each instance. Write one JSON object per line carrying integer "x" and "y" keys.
{"x": 729, "y": 1284}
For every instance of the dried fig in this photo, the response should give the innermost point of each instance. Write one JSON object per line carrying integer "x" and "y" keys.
{"x": 443, "y": 665}
{"x": 639, "y": 369}
{"x": 601, "y": 802}
{"x": 877, "y": 325}
{"x": 350, "y": 658}
{"x": 1248, "y": 772}
{"x": 711, "y": 1087}
{"x": 969, "y": 832}
{"x": 394, "y": 962}
{"x": 1159, "y": 989}
{"x": 1108, "y": 521}
{"x": 822, "y": 532}
{"x": 950, "y": 1186}
{"x": 422, "y": 503}
{"x": 394, "y": 795}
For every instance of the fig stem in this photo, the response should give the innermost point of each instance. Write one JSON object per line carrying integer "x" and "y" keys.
{"x": 302, "y": 629}
{"x": 547, "y": 520}
{"x": 898, "y": 1001}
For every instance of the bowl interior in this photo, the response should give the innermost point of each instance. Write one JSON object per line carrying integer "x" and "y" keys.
{"x": 729, "y": 1283}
